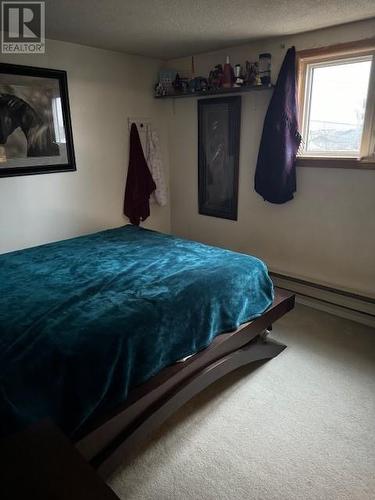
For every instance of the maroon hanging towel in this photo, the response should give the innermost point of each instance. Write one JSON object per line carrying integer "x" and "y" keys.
{"x": 275, "y": 176}
{"x": 139, "y": 182}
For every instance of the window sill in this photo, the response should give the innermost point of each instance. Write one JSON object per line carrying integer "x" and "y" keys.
{"x": 353, "y": 163}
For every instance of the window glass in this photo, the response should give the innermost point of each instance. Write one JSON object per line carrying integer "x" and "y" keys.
{"x": 336, "y": 106}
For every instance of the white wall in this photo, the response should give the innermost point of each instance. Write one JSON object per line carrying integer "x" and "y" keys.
{"x": 326, "y": 234}
{"x": 105, "y": 88}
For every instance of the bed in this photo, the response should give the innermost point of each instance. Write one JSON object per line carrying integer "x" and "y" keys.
{"x": 93, "y": 331}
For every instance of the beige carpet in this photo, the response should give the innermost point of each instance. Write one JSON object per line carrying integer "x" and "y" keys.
{"x": 301, "y": 426}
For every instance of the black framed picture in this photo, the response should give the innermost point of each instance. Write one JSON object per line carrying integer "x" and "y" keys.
{"x": 35, "y": 127}
{"x": 219, "y": 122}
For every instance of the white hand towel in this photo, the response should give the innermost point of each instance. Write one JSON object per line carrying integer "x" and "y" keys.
{"x": 153, "y": 158}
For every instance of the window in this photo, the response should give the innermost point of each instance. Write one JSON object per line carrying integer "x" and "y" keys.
{"x": 336, "y": 87}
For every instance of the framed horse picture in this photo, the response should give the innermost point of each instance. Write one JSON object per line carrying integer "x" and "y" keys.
{"x": 35, "y": 128}
{"x": 219, "y": 122}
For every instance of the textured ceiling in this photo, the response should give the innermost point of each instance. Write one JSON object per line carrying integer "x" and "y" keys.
{"x": 174, "y": 28}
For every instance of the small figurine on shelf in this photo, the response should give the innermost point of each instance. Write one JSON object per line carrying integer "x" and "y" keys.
{"x": 180, "y": 85}
{"x": 198, "y": 84}
{"x": 238, "y": 75}
{"x": 158, "y": 90}
{"x": 177, "y": 84}
{"x": 215, "y": 79}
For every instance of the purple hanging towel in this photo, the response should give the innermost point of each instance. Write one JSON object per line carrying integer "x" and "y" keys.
{"x": 139, "y": 182}
{"x": 275, "y": 175}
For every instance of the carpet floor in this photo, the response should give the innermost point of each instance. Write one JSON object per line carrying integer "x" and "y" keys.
{"x": 300, "y": 426}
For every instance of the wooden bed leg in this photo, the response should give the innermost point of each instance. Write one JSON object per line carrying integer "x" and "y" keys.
{"x": 263, "y": 336}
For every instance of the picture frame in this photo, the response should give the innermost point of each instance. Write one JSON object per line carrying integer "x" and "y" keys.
{"x": 219, "y": 123}
{"x": 35, "y": 125}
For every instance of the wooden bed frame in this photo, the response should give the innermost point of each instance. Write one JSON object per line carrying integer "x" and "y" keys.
{"x": 105, "y": 441}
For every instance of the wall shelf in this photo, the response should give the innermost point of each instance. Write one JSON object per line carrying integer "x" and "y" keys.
{"x": 216, "y": 92}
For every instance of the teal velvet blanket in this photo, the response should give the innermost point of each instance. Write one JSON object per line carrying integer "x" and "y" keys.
{"x": 83, "y": 321}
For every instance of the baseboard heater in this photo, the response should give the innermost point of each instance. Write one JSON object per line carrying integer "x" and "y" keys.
{"x": 356, "y": 307}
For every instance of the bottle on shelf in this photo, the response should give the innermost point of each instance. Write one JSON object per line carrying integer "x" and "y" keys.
{"x": 228, "y": 77}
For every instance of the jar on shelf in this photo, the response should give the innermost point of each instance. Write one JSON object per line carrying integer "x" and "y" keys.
{"x": 265, "y": 68}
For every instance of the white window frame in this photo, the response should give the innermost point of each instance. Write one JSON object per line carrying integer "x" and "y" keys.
{"x": 339, "y": 54}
